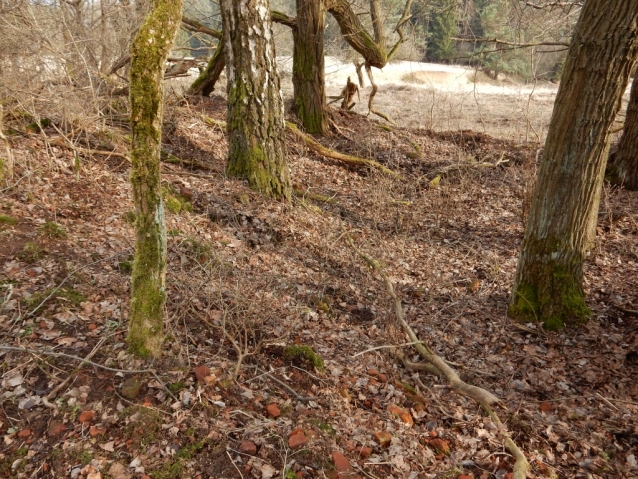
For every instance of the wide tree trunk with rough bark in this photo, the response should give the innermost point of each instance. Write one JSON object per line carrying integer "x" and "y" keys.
{"x": 149, "y": 52}
{"x": 561, "y": 225}
{"x": 308, "y": 66}
{"x": 256, "y": 129}
{"x": 623, "y": 163}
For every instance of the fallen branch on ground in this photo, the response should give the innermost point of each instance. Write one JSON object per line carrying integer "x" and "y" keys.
{"x": 320, "y": 149}
{"x": 335, "y": 155}
{"x": 483, "y": 397}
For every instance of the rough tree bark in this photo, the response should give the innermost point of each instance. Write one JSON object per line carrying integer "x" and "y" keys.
{"x": 623, "y": 163}
{"x": 256, "y": 129}
{"x": 548, "y": 286}
{"x": 149, "y": 51}
{"x": 308, "y": 66}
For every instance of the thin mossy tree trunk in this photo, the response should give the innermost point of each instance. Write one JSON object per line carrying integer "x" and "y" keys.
{"x": 623, "y": 163}
{"x": 149, "y": 52}
{"x": 204, "y": 84}
{"x": 256, "y": 129}
{"x": 308, "y": 77}
{"x": 548, "y": 286}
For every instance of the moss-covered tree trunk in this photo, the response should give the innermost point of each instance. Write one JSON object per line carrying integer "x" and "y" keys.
{"x": 561, "y": 225}
{"x": 623, "y": 163}
{"x": 356, "y": 35}
{"x": 149, "y": 51}
{"x": 205, "y": 82}
{"x": 256, "y": 129}
{"x": 308, "y": 66}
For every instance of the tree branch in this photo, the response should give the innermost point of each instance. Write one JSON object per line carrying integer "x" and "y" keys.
{"x": 483, "y": 397}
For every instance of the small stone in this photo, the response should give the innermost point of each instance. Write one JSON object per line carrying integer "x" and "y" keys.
{"x": 365, "y": 452}
{"x": 131, "y": 387}
{"x": 248, "y": 447}
{"x": 55, "y": 428}
{"x": 96, "y": 431}
{"x": 384, "y": 439}
{"x": 546, "y": 407}
{"x": 24, "y": 433}
{"x": 273, "y": 410}
{"x": 92, "y": 327}
{"x": 341, "y": 462}
{"x": 201, "y": 372}
{"x": 297, "y": 440}
{"x": 405, "y": 416}
{"x": 75, "y": 472}
{"x": 440, "y": 446}
{"x": 86, "y": 416}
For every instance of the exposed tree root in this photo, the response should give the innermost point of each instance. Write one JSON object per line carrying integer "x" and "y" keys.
{"x": 322, "y": 150}
{"x": 483, "y": 397}
{"x": 372, "y": 95}
{"x": 335, "y": 155}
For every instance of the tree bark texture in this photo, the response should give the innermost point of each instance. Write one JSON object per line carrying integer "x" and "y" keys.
{"x": 623, "y": 163}
{"x": 353, "y": 31}
{"x": 149, "y": 51}
{"x": 204, "y": 84}
{"x": 548, "y": 286}
{"x": 308, "y": 66}
{"x": 256, "y": 129}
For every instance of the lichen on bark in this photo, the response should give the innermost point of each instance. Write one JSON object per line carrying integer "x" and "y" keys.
{"x": 256, "y": 129}
{"x": 149, "y": 51}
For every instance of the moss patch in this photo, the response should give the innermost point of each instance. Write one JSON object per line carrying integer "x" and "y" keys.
{"x": 6, "y": 221}
{"x": 53, "y": 230}
{"x": 558, "y": 301}
{"x": 304, "y": 353}
{"x": 32, "y": 252}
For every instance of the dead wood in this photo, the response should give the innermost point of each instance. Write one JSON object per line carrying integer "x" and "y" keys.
{"x": 7, "y": 147}
{"x": 372, "y": 95}
{"x": 320, "y": 149}
{"x": 335, "y": 155}
{"x": 483, "y": 397}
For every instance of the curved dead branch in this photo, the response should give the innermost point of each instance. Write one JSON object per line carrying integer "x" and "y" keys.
{"x": 483, "y": 397}
{"x": 335, "y": 155}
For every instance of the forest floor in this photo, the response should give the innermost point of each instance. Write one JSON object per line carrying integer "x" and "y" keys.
{"x": 271, "y": 278}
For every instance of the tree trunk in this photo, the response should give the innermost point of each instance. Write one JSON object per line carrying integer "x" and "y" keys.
{"x": 561, "y": 226}
{"x": 308, "y": 66}
{"x": 149, "y": 51}
{"x": 256, "y": 129}
{"x": 205, "y": 82}
{"x": 355, "y": 33}
{"x": 623, "y": 163}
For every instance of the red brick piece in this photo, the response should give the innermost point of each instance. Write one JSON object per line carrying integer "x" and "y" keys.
{"x": 248, "y": 447}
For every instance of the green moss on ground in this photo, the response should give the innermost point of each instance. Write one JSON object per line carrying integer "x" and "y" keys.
{"x": 53, "y": 230}
{"x": 304, "y": 353}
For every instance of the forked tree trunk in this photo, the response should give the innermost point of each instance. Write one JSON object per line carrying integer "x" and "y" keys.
{"x": 561, "y": 226}
{"x": 623, "y": 163}
{"x": 149, "y": 51}
{"x": 256, "y": 129}
{"x": 308, "y": 66}
{"x": 205, "y": 82}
